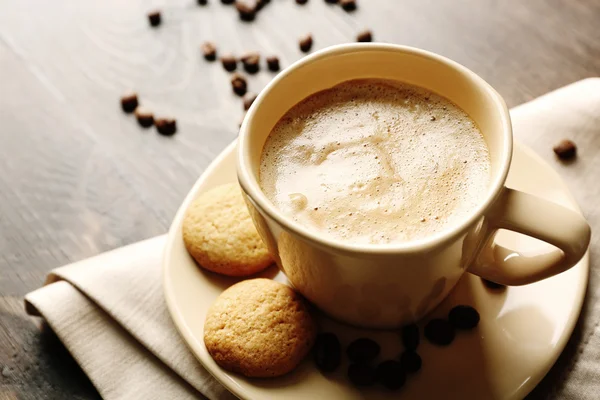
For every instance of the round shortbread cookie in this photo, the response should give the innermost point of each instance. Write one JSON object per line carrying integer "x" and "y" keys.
{"x": 218, "y": 232}
{"x": 259, "y": 328}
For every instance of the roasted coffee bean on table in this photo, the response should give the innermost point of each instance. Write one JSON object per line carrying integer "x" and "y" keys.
{"x": 129, "y": 102}
{"x": 390, "y": 374}
{"x": 361, "y": 374}
{"x": 439, "y": 331}
{"x": 492, "y": 285}
{"x": 566, "y": 149}
{"x": 246, "y": 9}
{"x": 273, "y": 63}
{"x": 248, "y": 100}
{"x": 251, "y": 62}
{"x": 229, "y": 62}
{"x": 348, "y": 5}
{"x": 301, "y": 1}
{"x": 363, "y": 350}
{"x": 410, "y": 336}
{"x": 306, "y": 43}
{"x": 327, "y": 352}
{"x": 410, "y": 361}
{"x": 209, "y": 50}
{"x": 463, "y": 317}
{"x": 202, "y": 2}
{"x": 365, "y": 36}
{"x": 144, "y": 117}
{"x": 154, "y": 18}
{"x": 239, "y": 84}
{"x": 165, "y": 126}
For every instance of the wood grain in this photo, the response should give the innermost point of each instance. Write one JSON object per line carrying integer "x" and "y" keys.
{"x": 79, "y": 177}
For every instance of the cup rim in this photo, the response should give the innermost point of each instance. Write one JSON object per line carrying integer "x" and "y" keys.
{"x": 253, "y": 190}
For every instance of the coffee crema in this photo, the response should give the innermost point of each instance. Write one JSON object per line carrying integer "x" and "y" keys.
{"x": 375, "y": 161}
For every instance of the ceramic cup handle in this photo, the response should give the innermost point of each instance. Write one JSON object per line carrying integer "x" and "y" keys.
{"x": 532, "y": 216}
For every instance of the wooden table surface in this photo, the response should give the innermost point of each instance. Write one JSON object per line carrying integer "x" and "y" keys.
{"x": 79, "y": 177}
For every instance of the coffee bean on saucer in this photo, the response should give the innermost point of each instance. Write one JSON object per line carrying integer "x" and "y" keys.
{"x": 348, "y": 5}
{"x": 239, "y": 84}
{"x": 129, "y": 102}
{"x": 364, "y": 36}
{"x": 301, "y": 2}
{"x": 144, "y": 117}
{"x": 492, "y": 285}
{"x": 306, "y": 43}
{"x": 229, "y": 62}
{"x": 410, "y": 361}
{"x": 209, "y": 51}
{"x": 566, "y": 149}
{"x": 410, "y": 336}
{"x": 166, "y": 126}
{"x": 251, "y": 62}
{"x": 439, "y": 331}
{"x": 328, "y": 352}
{"x": 246, "y": 9}
{"x": 273, "y": 63}
{"x": 361, "y": 375}
{"x": 248, "y": 100}
{"x": 202, "y": 2}
{"x": 154, "y": 18}
{"x": 391, "y": 374}
{"x": 363, "y": 350}
{"x": 463, "y": 317}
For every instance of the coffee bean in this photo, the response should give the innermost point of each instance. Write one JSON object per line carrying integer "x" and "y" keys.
{"x": 306, "y": 43}
{"x": 361, "y": 375}
{"x": 273, "y": 63}
{"x": 248, "y": 100}
{"x": 365, "y": 36}
{"x": 227, "y": 1}
{"x": 410, "y": 336}
{"x": 301, "y": 1}
{"x": 246, "y": 9}
{"x": 348, "y": 5}
{"x": 439, "y": 331}
{"x": 154, "y": 18}
{"x": 327, "y": 352}
{"x": 363, "y": 350}
{"x": 144, "y": 117}
{"x": 239, "y": 84}
{"x": 463, "y": 317}
{"x": 202, "y": 2}
{"x": 566, "y": 149}
{"x": 391, "y": 374}
{"x": 251, "y": 62}
{"x": 129, "y": 102}
{"x": 410, "y": 361}
{"x": 165, "y": 126}
{"x": 229, "y": 62}
{"x": 331, "y": 1}
{"x": 209, "y": 51}
{"x": 492, "y": 285}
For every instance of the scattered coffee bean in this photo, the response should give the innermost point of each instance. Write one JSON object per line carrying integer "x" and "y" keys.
{"x": 565, "y": 150}
{"x": 391, "y": 374}
{"x": 365, "y": 36}
{"x": 227, "y": 1}
{"x": 229, "y": 62}
{"x": 363, "y": 350}
{"x": 239, "y": 84}
{"x": 202, "y": 2}
{"x": 273, "y": 63}
{"x": 165, "y": 126}
{"x": 327, "y": 352}
{"x": 439, "y": 331}
{"x": 248, "y": 100}
{"x": 410, "y": 336}
{"x": 154, "y": 18}
{"x": 410, "y": 361}
{"x": 306, "y": 43}
{"x": 492, "y": 285}
{"x": 348, "y": 5}
{"x": 331, "y": 1}
{"x": 246, "y": 9}
{"x": 144, "y": 117}
{"x": 301, "y": 1}
{"x": 129, "y": 102}
{"x": 463, "y": 317}
{"x": 251, "y": 62}
{"x": 361, "y": 375}
{"x": 209, "y": 51}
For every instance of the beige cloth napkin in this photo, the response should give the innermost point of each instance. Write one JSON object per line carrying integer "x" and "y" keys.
{"x": 110, "y": 313}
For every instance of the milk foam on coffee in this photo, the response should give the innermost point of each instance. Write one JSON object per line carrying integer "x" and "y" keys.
{"x": 375, "y": 161}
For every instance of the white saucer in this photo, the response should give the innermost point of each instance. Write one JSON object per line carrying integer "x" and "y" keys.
{"x": 521, "y": 334}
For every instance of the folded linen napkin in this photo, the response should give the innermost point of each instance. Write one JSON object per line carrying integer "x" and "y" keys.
{"x": 110, "y": 313}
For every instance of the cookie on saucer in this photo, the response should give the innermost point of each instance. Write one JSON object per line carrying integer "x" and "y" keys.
{"x": 259, "y": 328}
{"x": 218, "y": 232}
